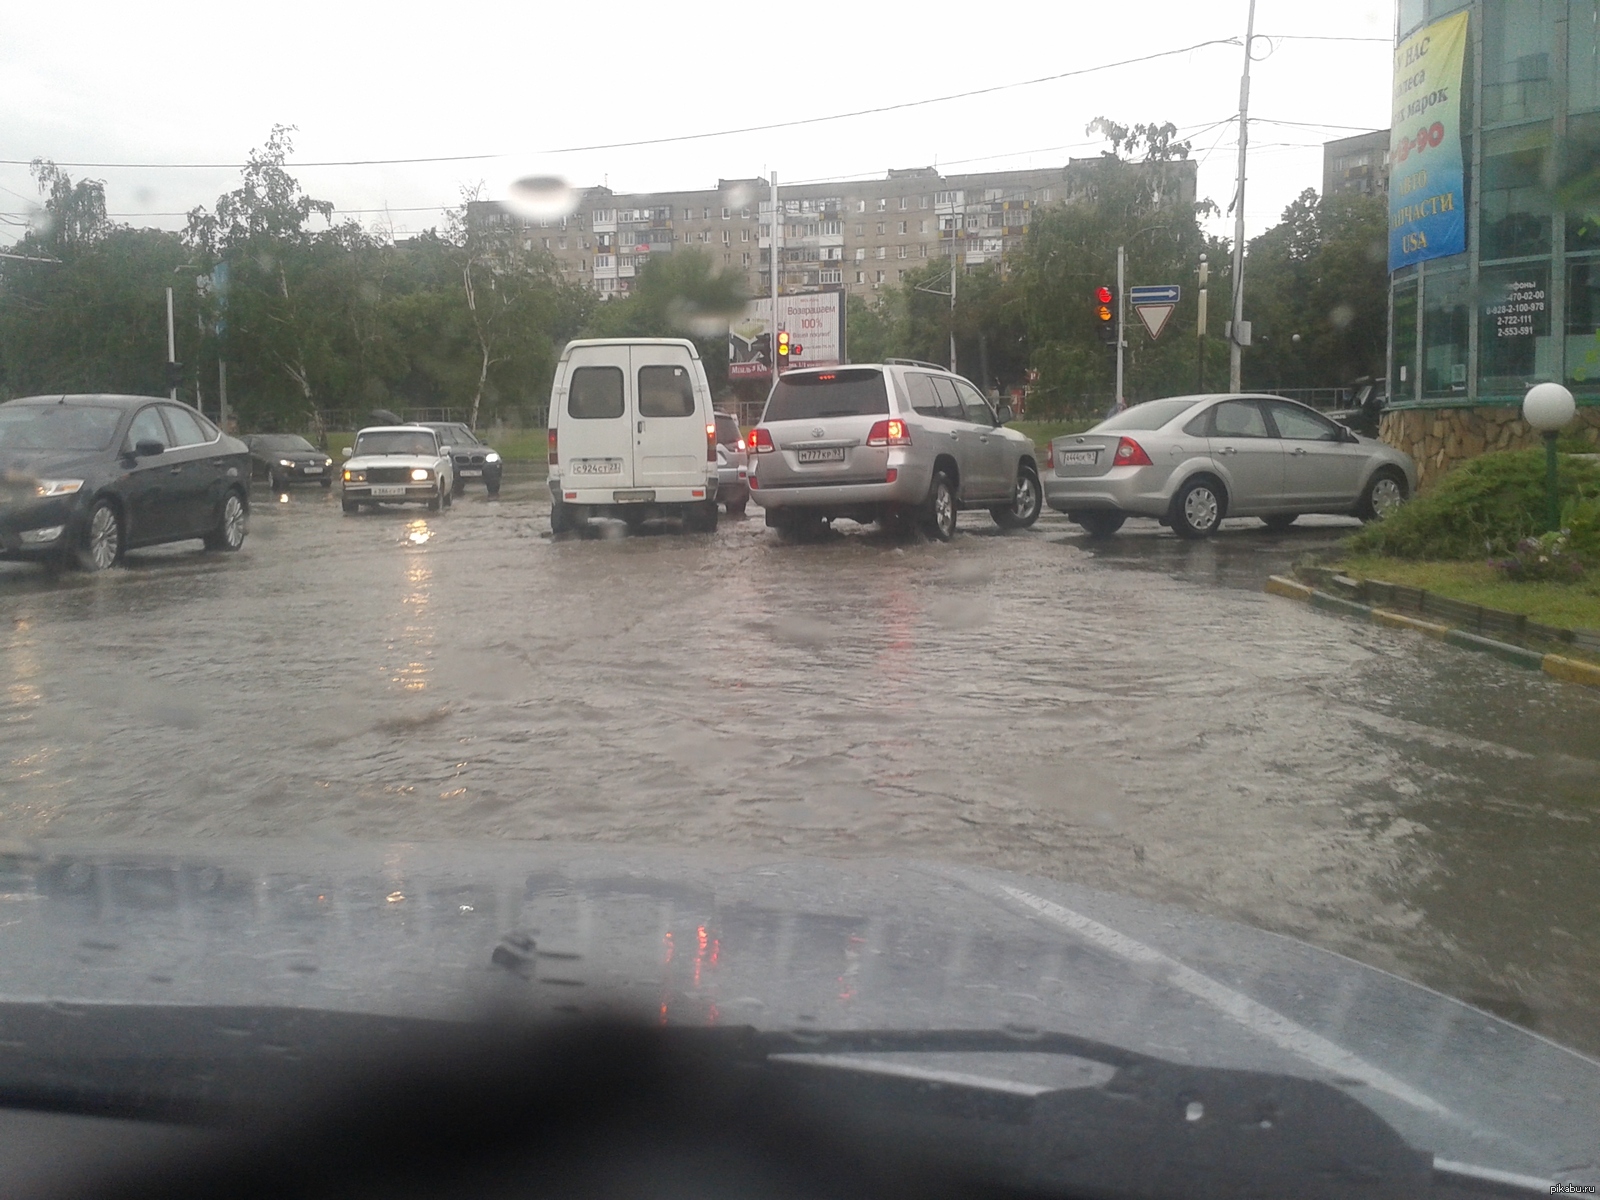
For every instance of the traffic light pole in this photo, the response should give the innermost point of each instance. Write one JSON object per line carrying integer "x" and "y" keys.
{"x": 1236, "y": 330}
{"x": 772, "y": 270}
{"x": 1200, "y": 328}
{"x": 172, "y": 341}
{"x": 1122, "y": 263}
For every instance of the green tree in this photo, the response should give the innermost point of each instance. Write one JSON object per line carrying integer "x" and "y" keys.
{"x": 681, "y": 294}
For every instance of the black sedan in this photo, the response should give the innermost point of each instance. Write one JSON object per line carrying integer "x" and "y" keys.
{"x": 475, "y": 461}
{"x": 84, "y": 478}
{"x": 285, "y": 458}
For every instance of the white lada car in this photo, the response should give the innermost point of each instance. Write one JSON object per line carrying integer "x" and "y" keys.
{"x": 397, "y": 464}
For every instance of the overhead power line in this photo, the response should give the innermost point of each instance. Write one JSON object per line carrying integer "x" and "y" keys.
{"x": 662, "y": 141}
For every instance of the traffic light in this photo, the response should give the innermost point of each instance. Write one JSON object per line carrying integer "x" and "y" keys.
{"x": 1105, "y": 318}
{"x": 783, "y": 346}
{"x": 796, "y": 350}
{"x": 174, "y": 375}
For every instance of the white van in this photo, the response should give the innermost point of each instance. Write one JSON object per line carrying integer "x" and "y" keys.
{"x": 632, "y": 434}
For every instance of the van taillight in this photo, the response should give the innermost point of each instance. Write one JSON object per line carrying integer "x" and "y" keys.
{"x": 711, "y": 443}
{"x": 1131, "y": 454}
{"x": 889, "y": 433}
{"x": 551, "y": 441}
{"x": 761, "y": 441}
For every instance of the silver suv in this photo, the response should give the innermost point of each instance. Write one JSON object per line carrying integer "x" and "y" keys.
{"x": 904, "y": 443}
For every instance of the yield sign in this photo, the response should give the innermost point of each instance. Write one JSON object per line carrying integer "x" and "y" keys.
{"x": 1155, "y": 317}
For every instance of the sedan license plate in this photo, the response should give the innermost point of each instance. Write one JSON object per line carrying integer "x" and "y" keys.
{"x": 830, "y": 454}
{"x": 1078, "y": 458}
{"x": 470, "y": 474}
{"x": 596, "y": 466}
{"x": 388, "y": 491}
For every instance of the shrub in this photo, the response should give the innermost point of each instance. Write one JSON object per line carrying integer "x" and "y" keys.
{"x": 1548, "y": 558}
{"x": 1484, "y": 506}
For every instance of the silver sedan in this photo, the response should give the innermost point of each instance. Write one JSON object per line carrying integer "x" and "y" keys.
{"x": 1190, "y": 461}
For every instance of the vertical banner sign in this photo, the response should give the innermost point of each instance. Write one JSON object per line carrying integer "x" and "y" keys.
{"x": 1427, "y": 202}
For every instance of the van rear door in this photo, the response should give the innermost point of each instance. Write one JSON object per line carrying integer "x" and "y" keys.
{"x": 596, "y": 425}
{"x": 669, "y": 418}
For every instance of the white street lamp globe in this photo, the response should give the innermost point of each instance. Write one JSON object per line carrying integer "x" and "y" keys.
{"x": 1548, "y": 407}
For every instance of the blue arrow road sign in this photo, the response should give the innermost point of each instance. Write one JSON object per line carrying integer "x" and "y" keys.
{"x": 1164, "y": 293}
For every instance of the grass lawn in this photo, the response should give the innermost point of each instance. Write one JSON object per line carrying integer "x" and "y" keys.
{"x": 1566, "y": 605}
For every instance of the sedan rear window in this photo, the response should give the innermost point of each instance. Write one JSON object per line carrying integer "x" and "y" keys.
{"x": 843, "y": 393}
{"x": 57, "y": 427}
{"x": 1152, "y": 414}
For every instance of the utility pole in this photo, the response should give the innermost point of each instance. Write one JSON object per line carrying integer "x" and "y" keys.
{"x": 772, "y": 270}
{"x": 958, "y": 229}
{"x": 1238, "y": 336}
{"x": 1200, "y": 334}
{"x": 172, "y": 343}
{"x": 1122, "y": 264}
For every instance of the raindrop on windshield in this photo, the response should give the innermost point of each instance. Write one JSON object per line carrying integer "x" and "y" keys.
{"x": 541, "y": 197}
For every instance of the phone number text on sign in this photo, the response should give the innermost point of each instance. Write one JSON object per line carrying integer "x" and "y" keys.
{"x": 1515, "y": 317}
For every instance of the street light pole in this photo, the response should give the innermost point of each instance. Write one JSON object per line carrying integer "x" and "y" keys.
{"x": 172, "y": 341}
{"x": 1236, "y": 331}
{"x": 1200, "y": 336}
{"x": 1548, "y": 407}
{"x": 1122, "y": 265}
{"x": 772, "y": 270}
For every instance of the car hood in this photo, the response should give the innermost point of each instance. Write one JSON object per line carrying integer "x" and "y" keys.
{"x": 363, "y": 462}
{"x": 780, "y": 944}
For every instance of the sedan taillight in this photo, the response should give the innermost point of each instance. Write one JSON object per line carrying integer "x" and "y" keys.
{"x": 1130, "y": 454}
{"x": 1049, "y": 456}
{"x": 889, "y": 433}
{"x": 761, "y": 441}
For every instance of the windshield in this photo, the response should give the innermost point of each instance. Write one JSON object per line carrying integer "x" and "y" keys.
{"x": 283, "y": 444}
{"x": 844, "y": 393}
{"x": 1200, "y": 709}
{"x": 1152, "y": 414}
{"x": 395, "y": 441}
{"x": 57, "y": 427}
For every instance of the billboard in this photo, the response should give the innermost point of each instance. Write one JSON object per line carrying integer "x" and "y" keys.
{"x": 814, "y": 321}
{"x": 1427, "y": 202}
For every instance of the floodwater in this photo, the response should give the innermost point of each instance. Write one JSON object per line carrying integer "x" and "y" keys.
{"x": 1136, "y": 716}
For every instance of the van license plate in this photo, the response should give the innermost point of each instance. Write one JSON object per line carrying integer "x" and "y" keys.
{"x": 388, "y": 491}
{"x": 831, "y": 454}
{"x": 1078, "y": 458}
{"x": 633, "y": 497}
{"x": 596, "y": 466}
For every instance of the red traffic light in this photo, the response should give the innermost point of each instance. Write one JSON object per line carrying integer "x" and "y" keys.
{"x": 1102, "y": 296}
{"x": 795, "y": 350}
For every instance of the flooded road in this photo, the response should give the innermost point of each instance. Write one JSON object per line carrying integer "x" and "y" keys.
{"x": 1135, "y": 716}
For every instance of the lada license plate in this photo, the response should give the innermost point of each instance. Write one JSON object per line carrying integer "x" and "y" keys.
{"x": 830, "y": 454}
{"x": 1078, "y": 458}
{"x": 388, "y": 491}
{"x": 596, "y": 466}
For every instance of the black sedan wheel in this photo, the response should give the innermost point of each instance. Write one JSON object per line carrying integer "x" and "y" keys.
{"x": 1197, "y": 508}
{"x": 230, "y": 530}
{"x": 102, "y": 539}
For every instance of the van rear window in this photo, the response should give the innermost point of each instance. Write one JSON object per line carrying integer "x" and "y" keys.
{"x": 841, "y": 393}
{"x": 665, "y": 392}
{"x": 595, "y": 393}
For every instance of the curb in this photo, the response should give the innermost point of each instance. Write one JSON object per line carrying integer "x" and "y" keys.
{"x": 1555, "y": 665}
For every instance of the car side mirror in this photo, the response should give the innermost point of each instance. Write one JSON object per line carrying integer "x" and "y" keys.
{"x": 444, "y": 449}
{"x": 1006, "y": 415}
{"x": 149, "y": 449}
{"x": 1346, "y": 434}
{"x": 347, "y": 451}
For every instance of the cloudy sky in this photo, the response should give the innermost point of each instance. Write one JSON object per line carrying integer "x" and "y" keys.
{"x": 190, "y": 83}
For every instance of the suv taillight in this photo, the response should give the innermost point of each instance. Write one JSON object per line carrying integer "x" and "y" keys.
{"x": 761, "y": 441}
{"x": 1131, "y": 454}
{"x": 711, "y": 443}
{"x": 551, "y": 441}
{"x": 889, "y": 433}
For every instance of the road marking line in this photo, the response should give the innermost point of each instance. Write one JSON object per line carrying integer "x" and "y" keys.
{"x": 1253, "y": 1015}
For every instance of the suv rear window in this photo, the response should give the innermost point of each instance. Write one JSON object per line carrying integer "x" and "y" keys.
{"x": 843, "y": 393}
{"x": 727, "y": 431}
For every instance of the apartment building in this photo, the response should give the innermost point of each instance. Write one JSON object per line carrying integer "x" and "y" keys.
{"x": 857, "y": 235}
{"x": 1356, "y": 165}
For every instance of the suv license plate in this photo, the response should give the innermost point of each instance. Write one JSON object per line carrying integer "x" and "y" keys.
{"x": 831, "y": 454}
{"x": 388, "y": 491}
{"x": 465, "y": 474}
{"x": 1078, "y": 458}
{"x": 633, "y": 497}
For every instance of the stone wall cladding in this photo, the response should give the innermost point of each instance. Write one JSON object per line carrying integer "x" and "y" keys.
{"x": 1438, "y": 438}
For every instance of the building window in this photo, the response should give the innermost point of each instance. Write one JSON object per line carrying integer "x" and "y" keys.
{"x": 726, "y": 237}
{"x": 861, "y": 206}
{"x": 561, "y": 243}
{"x": 1044, "y": 196}
{"x": 1517, "y": 37}
{"x": 746, "y": 257}
{"x": 544, "y": 243}
{"x": 744, "y": 213}
{"x": 861, "y": 230}
{"x": 880, "y": 276}
{"x": 924, "y": 202}
{"x": 1583, "y": 327}
{"x": 830, "y": 277}
{"x": 904, "y": 226}
{"x": 1445, "y": 325}
{"x": 1515, "y": 203}
{"x": 1514, "y": 343}
{"x": 744, "y": 235}
{"x": 902, "y": 251}
{"x": 922, "y": 227}
{"x": 832, "y": 229}
{"x": 922, "y": 250}
{"x": 883, "y": 204}
{"x": 861, "y": 276}
{"x": 972, "y": 221}
{"x": 707, "y": 213}
{"x": 880, "y": 228}
{"x": 905, "y": 203}
{"x": 861, "y": 254}
{"x": 883, "y": 252}
{"x": 726, "y": 213}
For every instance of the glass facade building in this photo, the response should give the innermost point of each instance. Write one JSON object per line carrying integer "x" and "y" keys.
{"x": 1530, "y": 127}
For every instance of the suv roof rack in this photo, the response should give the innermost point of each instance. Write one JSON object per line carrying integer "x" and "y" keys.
{"x": 913, "y": 362}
